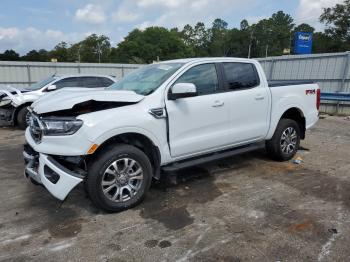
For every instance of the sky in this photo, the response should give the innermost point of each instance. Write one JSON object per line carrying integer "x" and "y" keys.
{"x": 35, "y": 24}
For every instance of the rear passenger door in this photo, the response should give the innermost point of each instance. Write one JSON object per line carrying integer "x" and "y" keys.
{"x": 248, "y": 101}
{"x": 200, "y": 123}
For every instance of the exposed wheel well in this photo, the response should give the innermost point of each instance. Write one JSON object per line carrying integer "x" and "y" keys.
{"x": 140, "y": 141}
{"x": 296, "y": 115}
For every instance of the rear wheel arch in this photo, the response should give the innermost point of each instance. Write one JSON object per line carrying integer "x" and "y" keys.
{"x": 296, "y": 114}
{"x": 138, "y": 140}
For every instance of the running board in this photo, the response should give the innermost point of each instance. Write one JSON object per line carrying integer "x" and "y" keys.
{"x": 212, "y": 157}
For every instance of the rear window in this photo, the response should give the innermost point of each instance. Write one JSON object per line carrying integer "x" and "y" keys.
{"x": 240, "y": 75}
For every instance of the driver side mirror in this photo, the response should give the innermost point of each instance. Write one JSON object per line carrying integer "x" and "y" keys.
{"x": 182, "y": 90}
{"x": 51, "y": 88}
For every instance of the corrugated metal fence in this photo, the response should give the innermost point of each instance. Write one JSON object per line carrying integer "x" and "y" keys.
{"x": 331, "y": 71}
{"x": 26, "y": 73}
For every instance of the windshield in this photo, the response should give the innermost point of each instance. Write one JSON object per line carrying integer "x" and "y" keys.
{"x": 146, "y": 79}
{"x": 41, "y": 83}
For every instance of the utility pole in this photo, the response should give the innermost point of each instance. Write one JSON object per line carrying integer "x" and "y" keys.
{"x": 79, "y": 53}
{"x": 99, "y": 52}
{"x": 250, "y": 44}
{"x": 267, "y": 48}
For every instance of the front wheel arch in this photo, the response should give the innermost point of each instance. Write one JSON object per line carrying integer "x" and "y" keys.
{"x": 138, "y": 140}
{"x": 18, "y": 109}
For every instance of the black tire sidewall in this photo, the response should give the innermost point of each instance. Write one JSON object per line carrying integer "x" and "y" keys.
{"x": 273, "y": 145}
{"x": 21, "y": 118}
{"x": 283, "y": 126}
{"x": 100, "y": 164}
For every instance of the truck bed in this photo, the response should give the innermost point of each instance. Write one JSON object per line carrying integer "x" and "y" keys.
{"x": 274, "y": 83}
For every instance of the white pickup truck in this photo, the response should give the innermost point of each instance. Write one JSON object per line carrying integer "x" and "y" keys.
{"x": 162, "y": 117}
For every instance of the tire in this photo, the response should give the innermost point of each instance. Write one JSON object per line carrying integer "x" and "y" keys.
{"x": 113, "y": 159}
{"x": 21, "y": 118}
{"x": 282, "y": 147}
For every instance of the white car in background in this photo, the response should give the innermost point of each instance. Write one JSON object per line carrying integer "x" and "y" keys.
{"x": 14, "y": 101}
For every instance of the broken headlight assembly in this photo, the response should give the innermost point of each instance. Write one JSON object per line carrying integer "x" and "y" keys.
{"x": 55, "y": 126}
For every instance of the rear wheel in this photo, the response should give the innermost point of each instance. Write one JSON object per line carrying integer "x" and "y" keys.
{"x": 285, "y": 141}
{"x": 23, "y": 118}
{"x": 119, "y": 178}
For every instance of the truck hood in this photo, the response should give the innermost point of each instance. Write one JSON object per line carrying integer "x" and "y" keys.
{"x": 67, "y": 98}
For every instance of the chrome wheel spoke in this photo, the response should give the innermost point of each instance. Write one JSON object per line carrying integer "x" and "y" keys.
{"x": 106, "y": 190}
{"x": 108, "y": 183}
{"x": 109, "y": 171}
{"x": 117, "y": 195}
{"x": 137, "y": 172}
{"x": 136, "y": 177}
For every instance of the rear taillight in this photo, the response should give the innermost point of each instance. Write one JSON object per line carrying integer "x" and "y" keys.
{"x": 318, "y": 99}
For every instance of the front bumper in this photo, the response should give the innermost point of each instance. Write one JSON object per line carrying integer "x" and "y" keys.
{"x": 45, "y": 170}
{"x": 6, "y": 116}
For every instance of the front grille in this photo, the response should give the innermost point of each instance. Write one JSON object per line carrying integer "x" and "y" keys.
{"x": 35, "y": 127}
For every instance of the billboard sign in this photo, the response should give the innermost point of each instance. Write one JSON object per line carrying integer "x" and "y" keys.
{"x": 302, "y": 43}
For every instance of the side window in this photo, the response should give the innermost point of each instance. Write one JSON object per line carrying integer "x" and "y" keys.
{"x": 240, "y": 75}
{"x": 88, "y": 81}
{"x": 67, "y": 82}
{"x": 105, "y": 81}
{"x": 203, "y": 76}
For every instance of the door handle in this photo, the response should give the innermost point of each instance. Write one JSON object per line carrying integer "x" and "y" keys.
{"x": 218, "y": 103}
{"x": 259, "y": 97}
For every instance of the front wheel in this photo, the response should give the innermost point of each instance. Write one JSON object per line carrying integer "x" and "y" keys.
{"x": 119, "y": 178}
{"x": 285, "y": 141}
{"x": 23, "y": 118}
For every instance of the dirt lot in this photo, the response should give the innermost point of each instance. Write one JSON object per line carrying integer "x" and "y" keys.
{"x": 245, "y": 208}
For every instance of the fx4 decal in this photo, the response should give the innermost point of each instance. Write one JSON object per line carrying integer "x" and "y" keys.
{"x": 310, "y": 92}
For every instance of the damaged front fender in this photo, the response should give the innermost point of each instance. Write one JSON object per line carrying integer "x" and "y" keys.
{"x": 16, "y": 98}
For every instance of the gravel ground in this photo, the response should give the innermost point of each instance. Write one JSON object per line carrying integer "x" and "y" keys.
{"x": 245, "y": 208}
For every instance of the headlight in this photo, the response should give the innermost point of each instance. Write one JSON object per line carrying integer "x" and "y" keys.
{"x": 61, "y": 127}
{"x": 5, "y": 102}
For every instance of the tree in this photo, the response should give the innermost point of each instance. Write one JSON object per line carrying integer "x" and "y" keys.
{"x": 9, "y": 55}
{"x": 93, "y": 49}
{"x": 37, "y": 56}
{"x": 150, "y": 44}
{"x": 304, "y": 28}
{"x": 218, "y": 38}
{"x": 337, "y": 20}
{"x": 61, "y": 53}
{"x": 272, "y": 35}
{"x": 197, "y": 38}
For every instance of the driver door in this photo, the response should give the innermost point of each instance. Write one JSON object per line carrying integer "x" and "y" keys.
{"x": 200, "y": 123}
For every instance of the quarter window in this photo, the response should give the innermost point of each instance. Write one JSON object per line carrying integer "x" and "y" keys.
{"x": 240, "y": 75}
{"x": 105, "y": 81}
{"x": 204, "y": 77}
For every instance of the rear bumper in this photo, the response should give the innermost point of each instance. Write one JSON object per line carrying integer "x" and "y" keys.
{"x": 45, "y": 170}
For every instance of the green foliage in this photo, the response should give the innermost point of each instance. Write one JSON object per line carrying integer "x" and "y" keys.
{"x": 151, "y": 44}
{"x": 39, "y": 56}
{"x": 9, "y": 55}
{"x": 337, "y": 20}
{"x": 268, "y": 36}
